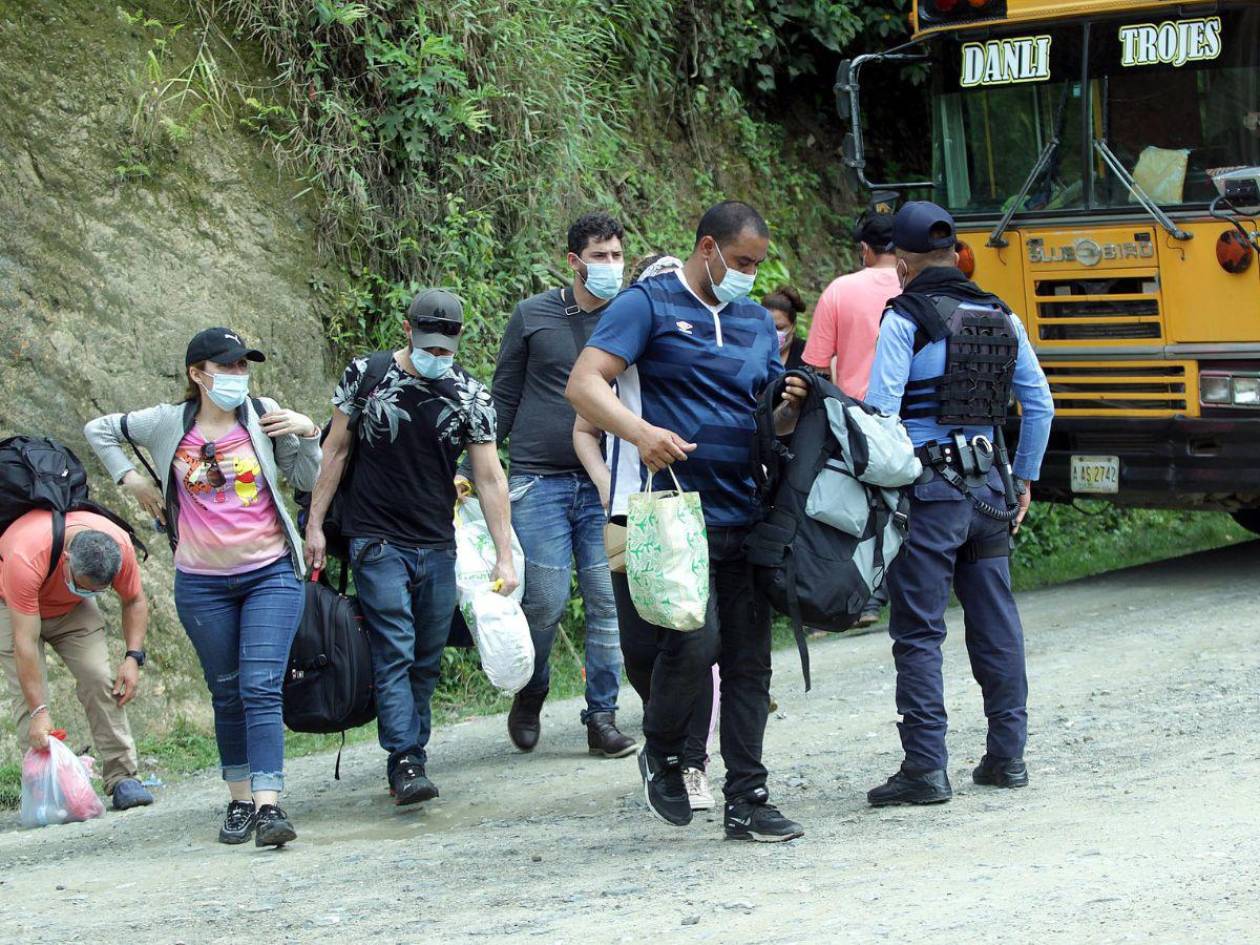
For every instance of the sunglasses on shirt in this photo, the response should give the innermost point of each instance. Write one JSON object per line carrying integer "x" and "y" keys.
{"x": 214, "y": 475}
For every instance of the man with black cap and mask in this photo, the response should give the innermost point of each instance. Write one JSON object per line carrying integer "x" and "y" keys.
{"x": 409, "y": 431}
{"x": 949, "y": 357}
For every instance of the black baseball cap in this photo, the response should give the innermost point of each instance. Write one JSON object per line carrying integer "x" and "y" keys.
{"x": 221, "y": 345}
{"x": 436, "y": 317}
{"x": 875, "y": 229}
{"x": 913, "y": 225}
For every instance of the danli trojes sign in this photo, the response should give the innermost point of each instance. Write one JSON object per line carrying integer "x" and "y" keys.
{"x": 1004, "y": 61}
{"x": 1172, "y": 43}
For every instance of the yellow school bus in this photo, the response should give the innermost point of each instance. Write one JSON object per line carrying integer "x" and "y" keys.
{"x": 1102, "y": 160}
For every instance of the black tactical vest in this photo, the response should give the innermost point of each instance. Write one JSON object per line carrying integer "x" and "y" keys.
{"x": 975, "y": 389}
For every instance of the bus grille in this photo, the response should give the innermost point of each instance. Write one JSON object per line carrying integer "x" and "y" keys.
{"x": 1128, "y": 388}
{"x": 1120, "y": 308}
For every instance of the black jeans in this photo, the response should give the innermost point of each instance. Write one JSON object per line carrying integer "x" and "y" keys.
{"x": 736, "y": 635}
{"x": 641, "y": 644}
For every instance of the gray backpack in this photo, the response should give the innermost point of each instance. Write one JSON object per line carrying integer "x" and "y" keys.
{"x": 836, "y": 507}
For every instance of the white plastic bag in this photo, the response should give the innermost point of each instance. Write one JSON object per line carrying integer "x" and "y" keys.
{"x": 57, "y": 787}
{"x": 497, "y": 623}
{"x": 475, "y": 554}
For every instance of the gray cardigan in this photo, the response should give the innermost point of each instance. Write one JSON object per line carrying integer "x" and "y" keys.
{"x": 160, "y": 429}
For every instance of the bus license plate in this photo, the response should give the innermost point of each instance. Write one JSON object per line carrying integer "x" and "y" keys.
{"x": 1098, "y": 474}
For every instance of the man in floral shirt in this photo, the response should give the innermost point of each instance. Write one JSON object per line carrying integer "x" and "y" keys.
{"x": 423, "y": 414}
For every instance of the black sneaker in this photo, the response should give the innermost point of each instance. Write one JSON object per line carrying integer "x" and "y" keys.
{"x": 912, "y": 787}
{"x": 409, "y": 785}
{"x": 761, "y": 822}
{"x": 664, "y": 788}
{"x": 239, "y": 822}
{"x": 272, "y": 827}
{"x": 1001, "y": 772}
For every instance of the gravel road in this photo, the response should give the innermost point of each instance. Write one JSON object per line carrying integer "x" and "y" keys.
{"x": 1142, "y": 822}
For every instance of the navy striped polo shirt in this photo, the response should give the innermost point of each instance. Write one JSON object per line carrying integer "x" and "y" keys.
{"x": 695, "y": 370}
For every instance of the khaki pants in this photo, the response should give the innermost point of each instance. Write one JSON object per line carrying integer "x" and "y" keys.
{"x": 79, "y": 639}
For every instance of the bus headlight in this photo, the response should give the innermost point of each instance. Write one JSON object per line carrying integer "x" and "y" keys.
{"x": 1214, "y": 389}
{"x": 1229, "y": 390}
{"x": 1247, "y": 391}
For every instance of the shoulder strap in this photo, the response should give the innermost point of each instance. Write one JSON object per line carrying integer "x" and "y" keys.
{"x": 58, "y": 543}
{"x": 373, "y": 373}
{"x": 139, "y": 455}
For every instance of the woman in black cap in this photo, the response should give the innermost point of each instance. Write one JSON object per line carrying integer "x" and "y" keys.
{"x": 238, "y": 555}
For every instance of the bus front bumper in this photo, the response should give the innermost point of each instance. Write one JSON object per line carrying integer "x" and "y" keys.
{"x": 1181, "y": 462}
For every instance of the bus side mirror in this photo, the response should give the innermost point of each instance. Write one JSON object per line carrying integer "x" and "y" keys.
{"x": 843, "y": 87}
{"x": 850, "y": 152}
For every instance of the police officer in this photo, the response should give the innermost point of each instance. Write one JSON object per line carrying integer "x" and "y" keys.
{"x": 948, "y": 359}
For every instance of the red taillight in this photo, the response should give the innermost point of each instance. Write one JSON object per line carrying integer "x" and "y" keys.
{"x": 966, "y": 258}
{"x": 1233, "y": 252}
{"x": 945, "y": 6}
{"x": 978, "y": 4}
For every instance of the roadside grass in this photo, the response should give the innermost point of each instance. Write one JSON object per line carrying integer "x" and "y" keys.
{"x": 1062, "y": 543}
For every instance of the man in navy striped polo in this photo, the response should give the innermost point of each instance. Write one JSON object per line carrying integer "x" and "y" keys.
{"x": 691, "y": 353}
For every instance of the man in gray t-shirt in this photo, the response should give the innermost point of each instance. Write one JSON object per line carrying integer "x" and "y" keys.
{"x": 556, "y": 509}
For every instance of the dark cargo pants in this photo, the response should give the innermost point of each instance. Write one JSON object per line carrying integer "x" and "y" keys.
{"x": 942, "y": 523}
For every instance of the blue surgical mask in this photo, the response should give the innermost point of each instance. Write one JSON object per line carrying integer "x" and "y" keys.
{"x": 76, "y": 590}
{"x": 603, "y": 280}
{"x": 734, "y": 285}
{"x": 431, "y": 366}
{"x": 229, "y": 390}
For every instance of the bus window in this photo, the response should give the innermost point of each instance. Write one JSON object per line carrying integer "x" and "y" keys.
{"x": 1176, "y": 101}
{"x": 999, "y": 100}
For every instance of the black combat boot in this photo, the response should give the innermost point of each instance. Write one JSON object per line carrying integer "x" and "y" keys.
{"x": 1001, "y": 772}
{"x": 910, "y": 786}
{"x": 603, "y": 737}
{"x": 523, "y": 723}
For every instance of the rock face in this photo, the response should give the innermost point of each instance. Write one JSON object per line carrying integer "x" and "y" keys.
{"x": 104, "y": 277}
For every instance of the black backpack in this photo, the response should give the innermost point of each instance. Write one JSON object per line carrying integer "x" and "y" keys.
{"x": 338, "y": 544}
{"x": 39, "y": 473}
{"x": 813, "y": 568}
{"x": 328, "y": 685}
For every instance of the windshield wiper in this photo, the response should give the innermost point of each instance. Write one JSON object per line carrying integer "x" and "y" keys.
{"x": 996, "y": 239}
{"x": 1140, "y": 195}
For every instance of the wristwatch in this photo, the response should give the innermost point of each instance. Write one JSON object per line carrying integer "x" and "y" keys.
{"x": 137, "y": 655}
{"x": 1021, "y": 486}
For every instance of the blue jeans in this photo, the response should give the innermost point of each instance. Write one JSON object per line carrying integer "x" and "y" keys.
{"x": 558, "y": 519}
{"x": 408, "y": 599}
{"x": 242, "y": 626}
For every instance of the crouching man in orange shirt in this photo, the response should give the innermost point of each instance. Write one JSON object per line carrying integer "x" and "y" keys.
{"x": 46, "y": 602}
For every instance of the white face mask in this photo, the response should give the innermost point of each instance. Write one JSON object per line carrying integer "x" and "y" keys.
{"x": 784, "y": 334}
{"x": 228, "y": 391}
{"x": 734, "y": 285}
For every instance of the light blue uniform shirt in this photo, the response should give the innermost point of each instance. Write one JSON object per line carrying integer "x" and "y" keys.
{"x": 896, "y": 364}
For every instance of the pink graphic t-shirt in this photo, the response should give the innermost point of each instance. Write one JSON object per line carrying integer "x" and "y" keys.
{"x": 228, "y": 522}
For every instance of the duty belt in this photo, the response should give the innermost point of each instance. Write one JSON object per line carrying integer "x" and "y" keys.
{"x": 965, "y": 465}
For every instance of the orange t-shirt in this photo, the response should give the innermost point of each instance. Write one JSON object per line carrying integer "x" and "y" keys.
{"x": 846, "y": 326}
{"x": 25, "y": 548}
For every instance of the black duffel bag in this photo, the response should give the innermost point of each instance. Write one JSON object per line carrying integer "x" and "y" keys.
{"x": 328, "y": 685}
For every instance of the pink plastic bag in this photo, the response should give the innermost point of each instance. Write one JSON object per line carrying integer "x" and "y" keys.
{"x": 57, "y": 787}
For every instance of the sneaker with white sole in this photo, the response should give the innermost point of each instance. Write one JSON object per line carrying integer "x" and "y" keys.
{"x": 698, "y": 793}
{"x": 759, "y": 821}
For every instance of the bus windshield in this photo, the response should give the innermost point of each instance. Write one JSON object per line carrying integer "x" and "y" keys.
{"x": 1177, "y": 101}
{"x": 1177, "y": 112}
